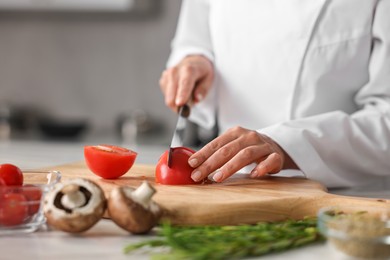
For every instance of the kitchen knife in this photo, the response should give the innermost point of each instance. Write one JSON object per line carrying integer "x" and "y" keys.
{"x": 178, "y": 134}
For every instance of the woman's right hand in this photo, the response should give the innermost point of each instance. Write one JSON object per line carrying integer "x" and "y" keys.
{"x": 191, "y": 78}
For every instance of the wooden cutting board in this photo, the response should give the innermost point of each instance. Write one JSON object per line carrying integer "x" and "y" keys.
{"x": 238, "y": 200}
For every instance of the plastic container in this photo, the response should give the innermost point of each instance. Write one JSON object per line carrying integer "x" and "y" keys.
{"x": 21, "y": 206}
{"x": 360, "y": 232}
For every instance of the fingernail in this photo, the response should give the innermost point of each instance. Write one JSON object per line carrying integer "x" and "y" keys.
{"x": 178, "y": 101}
{"x": 193, "y": 162}
{"x": 262, "y": 170}
{"x": 254, "y": 174}
{"x": 199, "y": 96}
{"x": 217, "y": 176}
{"x": 196, "y": 175}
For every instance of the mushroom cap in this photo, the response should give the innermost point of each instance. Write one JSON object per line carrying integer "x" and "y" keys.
{"x": 129, "y": 214}
{"x": 81, "y": 217}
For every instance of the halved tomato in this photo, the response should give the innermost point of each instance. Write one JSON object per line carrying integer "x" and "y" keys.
{"x": 180, "y": 171}
{"x": 109, "y": 161}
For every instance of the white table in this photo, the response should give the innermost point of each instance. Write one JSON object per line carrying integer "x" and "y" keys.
{"x": 105, "y": 240}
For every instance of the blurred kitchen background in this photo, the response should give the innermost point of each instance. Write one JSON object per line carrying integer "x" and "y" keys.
{"x": 86, "y": 72}
{"x": 86, "y": 69}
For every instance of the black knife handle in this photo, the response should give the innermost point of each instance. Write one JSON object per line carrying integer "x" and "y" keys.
{"x": 185, "y": 110}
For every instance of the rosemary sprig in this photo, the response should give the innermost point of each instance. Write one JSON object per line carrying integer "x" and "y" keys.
{"x": 231, "y": 242}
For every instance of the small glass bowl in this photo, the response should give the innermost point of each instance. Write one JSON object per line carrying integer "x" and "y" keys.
{"x": 21, "y": 206}
{"x": 361, "y": 232}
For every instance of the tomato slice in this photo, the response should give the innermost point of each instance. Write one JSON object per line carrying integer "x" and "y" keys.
{"x": 13, "y": 209}
{"x": 11, "y": 175}
{"x": 180, "y": 171}
{"x": 109, "y": 161}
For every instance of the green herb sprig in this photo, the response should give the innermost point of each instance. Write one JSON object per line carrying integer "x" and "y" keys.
{"x": 231, "y": 242}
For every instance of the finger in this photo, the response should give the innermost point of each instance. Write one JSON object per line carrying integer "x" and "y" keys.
{"x": 272, "y": 164}
{"x": 209, "y": 149}
{"x": 163, "y": 81}
{"x": 186, "y": 84}
{"x": 199, "y": 93}
{"x": 202, "y": 88}
{"x": 218, "y": 159}
{"x": 243, "y": 158}
{"x": 247, "y": 138}
{"x": 231, "y": 157}
{"x": 171, "y": 88}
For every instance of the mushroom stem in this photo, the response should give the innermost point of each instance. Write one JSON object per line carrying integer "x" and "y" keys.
{"x": 144, "y": 193}
{"x": 73, "y": 197}
{"x": 134, "y": 209}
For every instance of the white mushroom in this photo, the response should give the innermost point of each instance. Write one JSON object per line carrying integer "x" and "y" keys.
{"x": 75, "y": 205}
{"x": 133, "y": 209}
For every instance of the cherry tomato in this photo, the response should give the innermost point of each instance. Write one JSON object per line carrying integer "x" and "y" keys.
{"x": 2, "y": 189}
{"x": 11, "y": 175}
{"x": 109, "y": 161}
{"x": 33, "y": 194}
{"x": 180, "y": 171}
{"x": 13, "y": 209}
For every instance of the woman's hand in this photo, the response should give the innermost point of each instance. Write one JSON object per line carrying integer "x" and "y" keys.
{"x": 234, "y": 150}
{"x": 191, "y": 78}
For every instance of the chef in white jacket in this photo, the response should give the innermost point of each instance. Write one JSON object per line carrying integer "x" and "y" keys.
{"x": 294, "y": 84}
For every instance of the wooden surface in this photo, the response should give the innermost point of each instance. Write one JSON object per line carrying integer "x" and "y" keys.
{"x": 236, "y": 201}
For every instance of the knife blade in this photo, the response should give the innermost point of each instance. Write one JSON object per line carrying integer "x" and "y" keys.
{"x": 178, "y": 134}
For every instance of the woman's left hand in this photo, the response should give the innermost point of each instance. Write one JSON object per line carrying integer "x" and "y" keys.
{"x": 235, "y": 149}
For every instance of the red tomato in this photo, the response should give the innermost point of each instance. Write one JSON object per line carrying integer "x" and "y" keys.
{"x": 13, "y": 209}
{"x": 180, "y": 171}
{"x": 109, "y": 161}
{"x": 33, "y": 194}
{"x": 11, "y": 175}
{"x": 2, "y": 190}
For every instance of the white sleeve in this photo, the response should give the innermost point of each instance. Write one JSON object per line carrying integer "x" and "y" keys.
{"x": 339, "y": 149}
{"x": 193, "y": 38}
{"x": 192, "y": 32}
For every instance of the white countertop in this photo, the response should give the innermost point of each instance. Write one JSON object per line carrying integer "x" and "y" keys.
{"x": 105, "y": 240}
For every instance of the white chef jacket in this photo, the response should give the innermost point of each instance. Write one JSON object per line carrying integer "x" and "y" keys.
{"x": 314, "y": 75}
